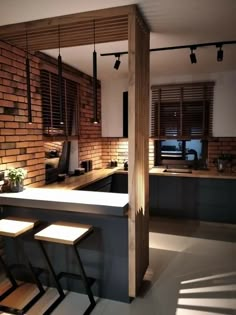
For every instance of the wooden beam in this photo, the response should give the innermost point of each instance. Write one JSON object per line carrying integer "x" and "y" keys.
{"x": 138, "y": 180}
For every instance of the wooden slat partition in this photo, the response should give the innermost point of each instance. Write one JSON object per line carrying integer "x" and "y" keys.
{"x": 112, "y": 24}
{"x": 75, "y": 29}
{"x": 138, "y": 182}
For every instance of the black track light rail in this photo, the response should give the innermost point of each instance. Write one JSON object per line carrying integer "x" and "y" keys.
{"x": 194, "y": 46}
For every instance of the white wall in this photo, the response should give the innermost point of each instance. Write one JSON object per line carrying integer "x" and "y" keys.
{"x": 112, "y": 107}
{"x": 224, "y": 111}
{"x": 224, "y": 119}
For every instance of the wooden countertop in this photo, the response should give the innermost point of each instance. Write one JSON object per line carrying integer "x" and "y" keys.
{"x": 78, "y": 182}
{"x": 195, "y": 173}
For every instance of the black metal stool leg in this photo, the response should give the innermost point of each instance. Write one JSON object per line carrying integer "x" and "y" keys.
{"x": 85, "y": 282}
{"x": 13, "y": 310}
{"x": 58, "y": 286}
{"x": 10, "y": 277}
{"x": 34, "y": 276}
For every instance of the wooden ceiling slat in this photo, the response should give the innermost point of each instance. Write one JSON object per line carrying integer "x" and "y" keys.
{"x": 50, "y": 45}
{"x": 75, "y": 27}
{"x": 68, "y": 19}
{"x": 75, "y": 33}
{"x": 72, "y": 40}
{"x": 63, "y": 33}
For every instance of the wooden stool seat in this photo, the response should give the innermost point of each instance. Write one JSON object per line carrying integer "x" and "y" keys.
{"x": 64, "y": 233}
{"x": 14, "y": 228}
{"x": 69, "y": 234}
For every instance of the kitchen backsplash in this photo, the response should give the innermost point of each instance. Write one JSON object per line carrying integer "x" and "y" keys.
{"x": 104, "y": 150}
{"x": 219, "y": 146}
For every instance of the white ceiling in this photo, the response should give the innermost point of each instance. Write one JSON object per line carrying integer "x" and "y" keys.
{"x": 172, "y": 23}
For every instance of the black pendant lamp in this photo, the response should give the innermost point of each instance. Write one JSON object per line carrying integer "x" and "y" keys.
{"x": 60, "y": 85}
{"x": 95, "y": 119}
{"x": 27, "y": 64}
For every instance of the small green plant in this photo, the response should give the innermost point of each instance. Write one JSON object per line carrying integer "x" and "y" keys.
{"x": 16, "y": 175}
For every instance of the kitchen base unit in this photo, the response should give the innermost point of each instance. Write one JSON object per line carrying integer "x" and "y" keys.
{"x": 104, "y": 253}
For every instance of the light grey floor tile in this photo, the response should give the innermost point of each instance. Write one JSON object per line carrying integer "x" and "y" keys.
{"x": 192, "y": 271}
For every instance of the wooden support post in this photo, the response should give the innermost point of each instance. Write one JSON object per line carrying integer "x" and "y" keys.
{"x": 138, "y": 184}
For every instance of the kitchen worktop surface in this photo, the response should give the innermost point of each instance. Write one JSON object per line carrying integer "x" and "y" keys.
{"x": 62, "y": 196}
{"x": 78, "y": 182}
{"x": 68, "y": 200}
{"x": 66, "y": 194}
{"x": 194, "y": 173}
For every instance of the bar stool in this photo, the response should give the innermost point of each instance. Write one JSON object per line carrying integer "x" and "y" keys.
{"x": 71, "y": 234}
{"x": 15, "y": 228}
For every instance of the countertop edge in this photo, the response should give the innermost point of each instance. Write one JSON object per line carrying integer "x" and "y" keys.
{"x": 75, "y": 201}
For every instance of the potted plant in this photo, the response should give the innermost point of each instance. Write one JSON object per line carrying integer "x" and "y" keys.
{"x": 16, "y": 178}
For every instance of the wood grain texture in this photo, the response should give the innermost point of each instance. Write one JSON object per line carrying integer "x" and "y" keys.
{"x": 75, "y": 29}
{"x": 78, "y": 182}
{"x": 138, "y": 151}
{"x": 195, "y": 174}
{"x": 14, "y": 227}
{"x": 64, "y": 233}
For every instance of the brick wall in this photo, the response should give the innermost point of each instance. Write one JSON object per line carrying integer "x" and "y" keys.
{"x": 218, "y": 146}
{"x": 90, "y": 142}
{"x": 21, "y": 144}
{"x": 114, "y": 149}
{"x": 117, "y": 149}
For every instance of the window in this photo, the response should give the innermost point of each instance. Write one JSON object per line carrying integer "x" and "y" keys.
{"x": 51, "y": 109}
{"x": 182, "y": 111}
{"x": 192, "y": 153}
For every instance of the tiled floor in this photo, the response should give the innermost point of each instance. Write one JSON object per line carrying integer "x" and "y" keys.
{"x": 192, "y": 272}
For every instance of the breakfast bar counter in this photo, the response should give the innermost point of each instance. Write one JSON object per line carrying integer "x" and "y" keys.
{"x": 68, "y": 200}
{"x": 105, "y": 252}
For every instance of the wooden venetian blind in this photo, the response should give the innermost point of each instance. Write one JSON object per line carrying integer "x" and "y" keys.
{"x": 182, "y": 110}
{"x": 51, "y": 107}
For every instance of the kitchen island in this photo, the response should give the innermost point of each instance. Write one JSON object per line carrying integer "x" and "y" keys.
{"x": 104, "y": 253}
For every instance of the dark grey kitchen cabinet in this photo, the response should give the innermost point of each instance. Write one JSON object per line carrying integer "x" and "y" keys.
{"x": 100, "y": 185}
{"x": 206, "y": 199}
{"x": 172, "y": 196}
{"x": 216, "y": 198}
{"x": 119, "y": 183}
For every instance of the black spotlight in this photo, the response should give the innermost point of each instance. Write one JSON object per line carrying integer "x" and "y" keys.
{"x": 220, "y": 54}
{"x": 117, "y": 62}
{"x": 193, "y": 56}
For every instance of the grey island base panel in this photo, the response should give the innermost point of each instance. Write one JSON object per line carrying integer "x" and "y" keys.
{"x": 105, "y": 253}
